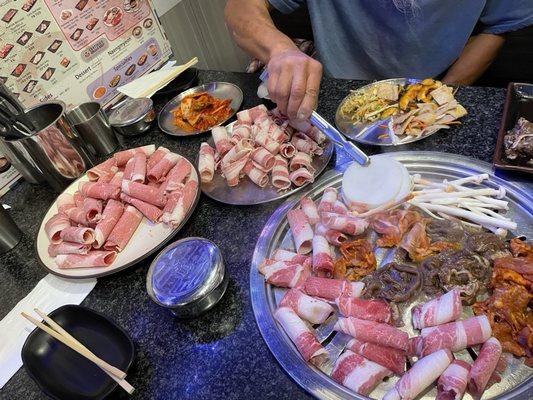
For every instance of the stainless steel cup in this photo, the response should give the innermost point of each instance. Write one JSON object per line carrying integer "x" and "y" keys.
{"x": 91, "y": 123}
{"x": 55, "y": 153}
{"x": 10, "y": 234}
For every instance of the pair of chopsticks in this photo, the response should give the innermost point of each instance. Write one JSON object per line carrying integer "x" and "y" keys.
{"x": 178, "y": 70}
{"x": 56, "y": 331}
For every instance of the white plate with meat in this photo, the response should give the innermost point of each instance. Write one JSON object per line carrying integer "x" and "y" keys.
{"x": 354, "y": 338}
{"x": 104, "y": 222}
{"x": 261, "y": 157}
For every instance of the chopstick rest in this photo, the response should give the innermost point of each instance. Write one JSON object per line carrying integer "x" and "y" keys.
{"x": 68, "y": 340}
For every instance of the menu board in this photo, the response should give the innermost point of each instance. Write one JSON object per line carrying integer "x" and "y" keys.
{"x": 77, "y": 50}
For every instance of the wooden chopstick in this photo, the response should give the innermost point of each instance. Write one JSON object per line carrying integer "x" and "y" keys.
{"x": 58, "y": 328}
{"x": 78, "y": 349}
{"x": 184, "y": 67}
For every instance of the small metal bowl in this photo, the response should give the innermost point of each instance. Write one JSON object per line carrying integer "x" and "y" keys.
{"x": 188, "y": 277}
{"x": 133, "y": 117}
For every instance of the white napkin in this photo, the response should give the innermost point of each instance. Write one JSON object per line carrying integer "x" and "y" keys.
{"x": 50, "y": 293}
{"x": 147, "y": 85}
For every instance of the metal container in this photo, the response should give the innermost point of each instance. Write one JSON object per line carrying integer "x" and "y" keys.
{"x": 10, "y": 234}
{"x": 133, "y": 117}
{"x": 188, "y": 277}
{"x": 55, "y": 153}
{"x": 91, "y": 123}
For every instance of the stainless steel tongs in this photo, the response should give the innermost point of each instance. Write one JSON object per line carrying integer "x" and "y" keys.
{"x": 332, "y": 133}
{"x": 13, "y": 119}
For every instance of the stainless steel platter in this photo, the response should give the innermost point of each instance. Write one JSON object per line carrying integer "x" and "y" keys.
{"x": 377, "y": 132}
{"x": 517, "y": 380}
{"x": 248, "y": 193}
{"x": 222, "y": 90}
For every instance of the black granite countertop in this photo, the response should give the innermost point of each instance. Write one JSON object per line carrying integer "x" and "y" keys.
{"x": 220, "y": 355}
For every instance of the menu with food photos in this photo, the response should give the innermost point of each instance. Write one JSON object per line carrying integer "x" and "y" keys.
{"x": 77, "y": 50}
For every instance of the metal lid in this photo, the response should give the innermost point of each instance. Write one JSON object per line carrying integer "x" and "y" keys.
{"x": 185, "y": 271}
{"x": 131, "y": 111}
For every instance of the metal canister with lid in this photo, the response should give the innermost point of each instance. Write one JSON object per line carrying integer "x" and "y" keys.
{"x": 133, "y": 117}
{"x": 188, "y": 277}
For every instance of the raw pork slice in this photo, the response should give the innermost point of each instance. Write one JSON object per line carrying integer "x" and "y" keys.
{"x": 161, "y": 169}
{"x": 335, "y": 238}
{"x": 301, "y": 335}
{"x": 388, "y": 357}
{"x": 102, "y": 169}
{"x": 313, "y": 310}
{"x": 95, "y": 258}
{"x": 256, "y": 174}
{"x": 76, "y": 234}
{"x": 371, "y": 310}
{"x": 54, "y": 226}
{"x": 301, "y": 160}
{"x": 285, "y": 273}
{"x": 128, "y": 170}
{"x": 178, "y": 175}
{"x": 93, "y": 209}
{"x": 143, "y": 192}
{"x": 78, "y": 216}
{"x": 280, "y": 174}
{"x": 206, "y": 163}
{"x": 240, "y": 130}
{"x": 373, "y": 332}
{"x": 330, "y": 289}
{"x": 301, "y": 176}
{"x": 149, "y": 211}
{"x": 221, "y": 139}
{"x": 286, "y": 255}
{"x": 65, "y": 202}
{"x": 97, "y": 190}
{"x": 156, "y": 157}
{"x": 328, "y": 199}
{"x": 422, "y": 374}
{"x": 263, "y": 157}
{"x": 452, "y": 383}
{"x": 322, "y": 260}
{"x": 177, "y": 207}
{"x": 358, "y": 373}
{"x": 287, "y": 150}
{"x": 122, "y": 157}
{"x": 483, "y": 367}
{"x": 68, "y": 248}
{"x": 139, "y": 168}
{"x": 443, "y": 309}
{"x": 232, "y": 171}
{"x": 350, "y": 225}
{"x": 110, "y": 216}
{"x": 301, "y": 231}
{"x": 310, "y": 210}
{"x": 124, "y": 229}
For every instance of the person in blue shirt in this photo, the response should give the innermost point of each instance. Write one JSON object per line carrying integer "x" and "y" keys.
{"x": 374, "y": 39}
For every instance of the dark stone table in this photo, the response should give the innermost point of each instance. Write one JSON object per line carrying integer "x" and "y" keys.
{"x": 220, "y": 355}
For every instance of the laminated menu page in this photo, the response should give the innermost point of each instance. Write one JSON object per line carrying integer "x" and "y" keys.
{"x": 77, "y": 50}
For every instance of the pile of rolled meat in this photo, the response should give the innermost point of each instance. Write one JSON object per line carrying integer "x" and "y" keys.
{"x": 378, "y": 348}
{"x": 97, "y": 221}
{"x": 264, "y": 146}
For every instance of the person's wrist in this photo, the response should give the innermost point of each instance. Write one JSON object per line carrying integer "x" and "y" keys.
{"x": 282, "y": 47}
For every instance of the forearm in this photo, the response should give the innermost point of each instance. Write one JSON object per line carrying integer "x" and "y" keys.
{"x": 253, "y": 30}
{"x": 475, "y": 58}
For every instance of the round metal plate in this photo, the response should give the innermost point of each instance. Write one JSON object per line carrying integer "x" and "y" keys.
{"x": 221, "y": 90}
{"x": 147, "y": 239}
{"x": 517, "y": 380}
{"x": 248, "y": 193}
{"x": 377, "y": 132}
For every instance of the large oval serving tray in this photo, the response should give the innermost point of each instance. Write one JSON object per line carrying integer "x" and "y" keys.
{"x": 517, "y": 380}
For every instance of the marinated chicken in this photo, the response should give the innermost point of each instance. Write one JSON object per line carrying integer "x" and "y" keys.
{"x": 357, "y": 260}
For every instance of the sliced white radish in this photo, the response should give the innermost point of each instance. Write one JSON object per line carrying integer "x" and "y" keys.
{"x": 377, "y": 183}
{"x": 407, "y": 185}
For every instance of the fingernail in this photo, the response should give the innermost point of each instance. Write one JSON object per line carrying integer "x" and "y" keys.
{"x": 301, "y": 115}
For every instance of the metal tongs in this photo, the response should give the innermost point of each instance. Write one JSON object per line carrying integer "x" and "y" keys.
{"x": 332, "y": 133}
{"x": 13, "y": 119}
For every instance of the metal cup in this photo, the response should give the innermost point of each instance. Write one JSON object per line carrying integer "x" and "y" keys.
{"x": 91, "y": 123}
{"x": 55, "y": 153}
{"x": 10, "y": 234}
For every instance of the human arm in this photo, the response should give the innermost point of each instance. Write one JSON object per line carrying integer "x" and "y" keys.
{"x": 479, "y": 52}
{"x": 294, "y": 78}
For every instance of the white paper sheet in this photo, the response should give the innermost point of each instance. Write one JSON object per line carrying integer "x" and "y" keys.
{"x": 49, "y": 294}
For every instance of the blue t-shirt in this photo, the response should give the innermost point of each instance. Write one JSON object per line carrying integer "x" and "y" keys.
{"x": 372, "y": 39}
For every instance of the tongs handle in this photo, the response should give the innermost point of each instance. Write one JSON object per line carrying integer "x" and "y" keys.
{"x": 332, "y": 133}
{"x": 15, "y": 111}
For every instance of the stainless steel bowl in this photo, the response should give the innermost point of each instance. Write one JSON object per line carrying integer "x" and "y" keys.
{"x": 188, "y": 277}
{"x": 133, "y": 117}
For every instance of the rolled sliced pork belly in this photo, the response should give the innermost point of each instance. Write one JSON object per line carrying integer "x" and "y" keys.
{"x": 122, "y": 157}
{"x": 78, "y": 198}
{"x": 286, "y": 255}
{"x": 328, "y": 199}
{"x": 206, "y": 163}
{"x": 263, "y": 157}
{"x": 124, "y": 229}
{"x": 102, "y": 169}
{"x": 301, "y": 177}
{"x": 422, "y": 374}
{"x": 144, "y": 192}
{"x": 128, "y": 170}
{"x": 93, "y": 209}
{"x": 322, "y": 260}
{"x": 65, "y": 202}
{"x": 287, "y": 150}
{"x": 117, "y": 179}
{"x": 302, "y": 160}
{"x": 178, "y": 175}
{"x": 335, "y": 238}
{"x": 285, "y": 273}
{"x": 77, "y": 234}
{"x": 301, "y": 231}
{"x": 256, "y": 174}
{"x": 177, "y": 207}
{"x": 110, "y": 216}
{"x": 240, "y": 130}
{"x": 373, "y": 332}
{"x": 347, "y": 224}
{"x": 310, "y": 210}
{"x": 280, "y": 174}
{"x": 311, "y": 131}
{"x": 156, "y": 157}
{"x": 139, "y": 167}
{"x": 443, "y": 309}
{"x": 78, "y": 216}
{"x": 68, "y": 248}
{"x": 98, "y": 190}
{"x": 484, "y": 366}
{"x": 309, "y": 308}
{"x": 158, "y": 172}
{"x": 94, "y": 258}
{"x": 150, "y": 211}
{"x": 222, "y": 141}
{"x": 388, "y": 357}
{"x": 55, "y": 225}
{"x": 457, "y": 335}
{"x": 339, "y": 208}
{"x": 232, "y": 171}
{"x": 452, "y": 383}
{"x": 301, "y": 335}
{"x": 358, "y": 373}
{"x": 370, "y": 310}
{"x": 330, "y": 289}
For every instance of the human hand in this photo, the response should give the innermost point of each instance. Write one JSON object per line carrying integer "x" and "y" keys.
{"x": 293, "y": 82}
